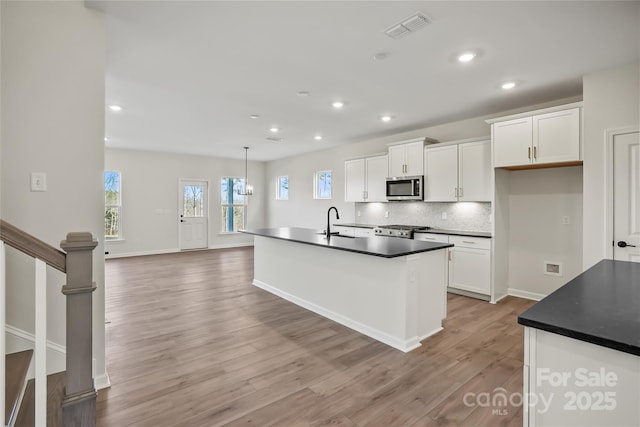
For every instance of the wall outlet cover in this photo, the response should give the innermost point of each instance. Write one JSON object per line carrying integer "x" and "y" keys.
{"x": 38, "y": 181}
{"x": 552, "y": 268}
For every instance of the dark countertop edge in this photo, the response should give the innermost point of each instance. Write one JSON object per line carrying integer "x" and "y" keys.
{"x": 593, "y": 339}
{"x": 437, "y": 247}
{"x": 534, "y": 320}
{"x": 483, "y": 234}
{"x": 372, "y": 226}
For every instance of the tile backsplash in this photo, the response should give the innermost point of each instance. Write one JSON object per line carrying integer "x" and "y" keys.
{"x": 467, "y": 216}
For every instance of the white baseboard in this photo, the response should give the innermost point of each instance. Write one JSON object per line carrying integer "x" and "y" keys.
{"x": 175, "y": 250}
{"x": 402, "y": 345}
{"x": 101, "y": 381}
{"x": 20, "y": 340}
{"x": 143, "y": 253}
{"x": 525, "y": 294}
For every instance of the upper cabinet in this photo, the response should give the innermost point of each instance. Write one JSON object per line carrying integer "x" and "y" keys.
{"x": 544, "y": 137}
{"x": 458, "y": 172}
{"x": 365, "y": 179}
{"x": 406, "y": 159}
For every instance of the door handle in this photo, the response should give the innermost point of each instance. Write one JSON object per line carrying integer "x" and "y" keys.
{"x": 529, "y": 153}
{"x": 182, "y": 220}
{"x": 623, "y": 244}
{"x": 535, "y": 153}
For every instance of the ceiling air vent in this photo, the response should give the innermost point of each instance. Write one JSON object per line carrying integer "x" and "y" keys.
{"x": 408, "y": 25}
{"x": 273, "y": 139}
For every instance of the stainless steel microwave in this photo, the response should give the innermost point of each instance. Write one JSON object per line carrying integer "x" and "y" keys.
{"x": 404, "y": 188}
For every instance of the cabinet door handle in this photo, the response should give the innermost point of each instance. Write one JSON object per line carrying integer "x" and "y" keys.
{"x": 460, "y": 192}
{"x": 450, "y": 254}
{"x": 455, "y": 192}
{"x": 529, "y": 153}
{"x": 467, "y": 241}
{"x": 535, "y": 152}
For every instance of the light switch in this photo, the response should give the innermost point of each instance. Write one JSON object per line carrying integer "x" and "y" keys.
{"x": 38, "y": 181}
{"x": 444, "y": 215}
{"x": 386, "y": 214}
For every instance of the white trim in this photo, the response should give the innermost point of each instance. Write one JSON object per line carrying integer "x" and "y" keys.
{"x": 3, "y": 340}
{"x": 405, "y": 346}
{"x": 19, "y": 340}
{"x": 498, "y": 299}
{"x": 535, "y": 112}
{"x": 176, "y": 250}
{"x": 525, "y": 294}
{"x": 101, "y": 381}
{"x": 40, "y": 352}
{"x": 609, "y": 135}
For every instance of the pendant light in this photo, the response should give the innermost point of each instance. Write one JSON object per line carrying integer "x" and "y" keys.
{"x": 248, "y": 188}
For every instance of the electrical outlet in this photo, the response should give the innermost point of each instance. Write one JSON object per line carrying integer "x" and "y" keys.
{"x": 359, "y": 214}
{"x": 552, "y": 268}
{"x": 444, "y": 215}
{"x": 565, "y": 220}
{"x": 386, "y": 214}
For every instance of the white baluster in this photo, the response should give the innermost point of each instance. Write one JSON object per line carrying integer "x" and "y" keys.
{"x": 3, "y": 319}
{"x": 41, "y": 343}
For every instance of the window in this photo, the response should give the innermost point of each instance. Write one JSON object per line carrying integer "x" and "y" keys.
{"x": 112, "y": 206}
{"x": 233, "y": 203}
{"x": 282, "y": 188}
{"x": 322, "y": 185}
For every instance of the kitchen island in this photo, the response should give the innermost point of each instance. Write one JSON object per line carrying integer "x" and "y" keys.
{"x": 390, "y": 289}
{"x": 582, "y": 350}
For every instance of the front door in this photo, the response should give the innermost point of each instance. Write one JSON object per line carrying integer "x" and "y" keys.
{"x": 626, "y": 196}
{"x": 194, "y": 214}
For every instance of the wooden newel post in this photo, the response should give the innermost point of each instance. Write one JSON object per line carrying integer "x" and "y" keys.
{"x": 79, "y": 403}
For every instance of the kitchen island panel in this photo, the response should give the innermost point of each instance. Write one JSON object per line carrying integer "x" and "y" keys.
{"x": 398, "y": 301}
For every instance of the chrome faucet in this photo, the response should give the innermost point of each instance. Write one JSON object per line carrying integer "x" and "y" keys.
{"x": 328, "y": 230}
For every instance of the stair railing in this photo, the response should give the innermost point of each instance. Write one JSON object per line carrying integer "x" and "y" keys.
{"x": 79, "y": 401}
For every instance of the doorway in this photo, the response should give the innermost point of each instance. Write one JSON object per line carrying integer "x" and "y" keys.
{"x": 193, "y": 222}
{"x": 624, "y": 194}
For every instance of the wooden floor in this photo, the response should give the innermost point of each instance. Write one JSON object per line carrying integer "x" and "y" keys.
{"x": 190, "y": 342}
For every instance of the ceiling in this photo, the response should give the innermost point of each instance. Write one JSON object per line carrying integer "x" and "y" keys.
{"x": 190, "y": 74}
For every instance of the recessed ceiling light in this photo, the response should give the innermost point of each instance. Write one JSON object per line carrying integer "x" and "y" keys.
{"x": 115, "y": 108}
{"x": 337, "y": 104}
{"x": 466, "y": 57}
{"x": 318, "y": 137}
{"x": 508, "y": 85}
{"x": 385, "y": 118}
{"x": 274, "y": 129}
{"x": 380, "y": 56}
{"x": 302, "y": 93}
{"x": 255, "y": 116}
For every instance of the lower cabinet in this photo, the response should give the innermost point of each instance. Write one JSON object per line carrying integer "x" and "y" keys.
{"x": 469, "y": 261}
{"x": 470, "y": 264}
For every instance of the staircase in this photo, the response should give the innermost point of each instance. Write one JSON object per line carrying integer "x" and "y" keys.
{"x": 66, "y": 398}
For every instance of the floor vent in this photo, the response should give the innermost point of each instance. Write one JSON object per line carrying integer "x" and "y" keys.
{"x": 407, "y": 25}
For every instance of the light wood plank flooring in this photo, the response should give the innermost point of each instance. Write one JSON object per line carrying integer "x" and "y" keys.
{"x": 190, "y": 342}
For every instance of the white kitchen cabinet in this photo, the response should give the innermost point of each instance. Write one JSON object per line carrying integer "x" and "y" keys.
{"x": 365, "y": 179}
{"x": 354, "y": 180}
{"x": 458, "y": 172}
{"x": 406, "y": 159}
{"x": 544, "y": 137}
{"x": 470, "y": 264}
{"x": 431, "y": 237}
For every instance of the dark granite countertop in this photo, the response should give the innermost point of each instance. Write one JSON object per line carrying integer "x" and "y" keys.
{"x": 386, "y": 247}
{"x": 600, "y": 306}
{"x": 354, "y": 225}
{"x": 457, "y": 232}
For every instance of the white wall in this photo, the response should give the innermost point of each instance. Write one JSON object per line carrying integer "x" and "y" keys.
{"x": 611, "y": 99}
{"x": 150, "y": 198}
{"x": 53, "y": 62}
{"x": 538, "y": 199}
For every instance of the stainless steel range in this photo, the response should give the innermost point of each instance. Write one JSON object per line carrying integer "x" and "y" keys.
{"x": 397, "y": 230}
